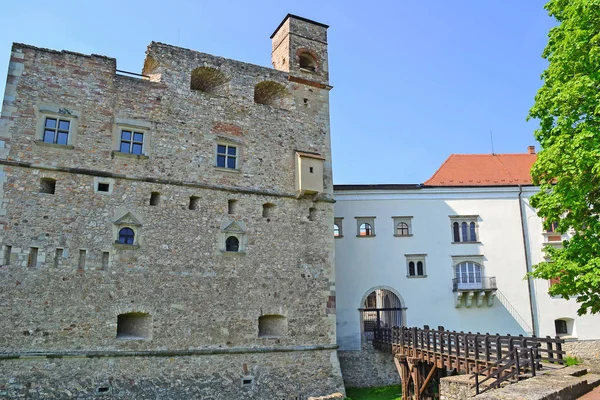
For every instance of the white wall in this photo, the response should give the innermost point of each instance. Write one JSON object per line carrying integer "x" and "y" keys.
{"x": 363, "y": 264}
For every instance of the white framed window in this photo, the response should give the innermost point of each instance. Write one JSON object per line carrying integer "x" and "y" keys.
{"x": 57, "y": 126}
{"x": 338, "y": 229}
{"x": 402, "y": 226}
{"x": 465, "y": 229}
{"x": 131, "y": 138}
{"x": 415, "y": 265}
{"x": 365, "y": 226}
{"x": 227, "y": 156}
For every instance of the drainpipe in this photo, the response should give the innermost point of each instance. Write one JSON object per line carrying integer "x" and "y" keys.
{"x": 527, "y": 265}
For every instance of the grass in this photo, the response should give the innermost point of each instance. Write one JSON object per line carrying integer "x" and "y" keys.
{"x": 572, "y": 360}
{"x": 375, "y": 393}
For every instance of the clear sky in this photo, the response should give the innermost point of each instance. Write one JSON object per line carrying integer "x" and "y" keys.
{"x": 414, "y": 80}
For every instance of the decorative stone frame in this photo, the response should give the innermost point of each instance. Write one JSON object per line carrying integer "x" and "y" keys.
{"x": 468, "y": 219}
{"x": 236, "y": 229}
{"x": 70, "y": 114}
{"x": 141, "y": 126}
{"x": 339, "y": 222}
{"x": 365, "y": 220}
{"x": 416, "y": 258}
{"x": 407, "y": 220}
{"x": 127, "y": 221}
{"x": 478, "y": 294}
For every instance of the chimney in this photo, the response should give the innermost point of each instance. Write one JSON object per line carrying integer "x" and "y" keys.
{"x": 531, "y": 149}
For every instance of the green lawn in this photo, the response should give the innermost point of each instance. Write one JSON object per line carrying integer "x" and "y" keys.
{"x": 376, "y": 393}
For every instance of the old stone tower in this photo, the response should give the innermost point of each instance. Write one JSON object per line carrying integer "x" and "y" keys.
{"x": 168, "y": 235}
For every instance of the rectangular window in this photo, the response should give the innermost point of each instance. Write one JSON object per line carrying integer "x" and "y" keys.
{"x": 56, "y": 130}
{"x": 226, "y": 156}
{"x": 57, "y": 257}
{"x": 7, "y": 252}
{"x": 82, "y": 256}
{"x": 132, "y": 142}
{"x": 33, "y": 255}
{"x": 105, "y": 259}
{"x": 561, "y": 327}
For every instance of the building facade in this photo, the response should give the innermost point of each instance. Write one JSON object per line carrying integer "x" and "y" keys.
{"x": 168, "y": 234}
{"x": 451, "y": 252}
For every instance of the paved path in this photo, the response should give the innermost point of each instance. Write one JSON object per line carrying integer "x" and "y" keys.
{"x": 593, "y": 395}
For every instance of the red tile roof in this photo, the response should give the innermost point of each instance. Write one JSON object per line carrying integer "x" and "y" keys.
{"x": 484, "y": 170}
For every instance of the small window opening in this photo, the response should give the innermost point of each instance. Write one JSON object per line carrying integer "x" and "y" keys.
{"x": 247, "y": 381}
{"x": 312, "y": 214}
{"x": 103, "y": 187}
{"x": 7, "y": 251}
{"x": 33, "y": 255}
{"x": 232, "y": 244}
{"x": 207, "y": 79}
{"x": 420, "y": 268}
{"x": 268, "y": 209}
{"x": 82, "y": 257}
{"x": 307, "y": 62}
{"x": 105, "y": 259}
{"x": 402, "y": 229}
{"x": 57, "y": 257}
{"x": 103, "y": 389}
{"x": 194, "y": 200}
{"x": 232, "y": 206}
{"x": 134, "y": 326}
{"x": 126, "y": 236}
{"x": 272, "y": 326}
{"x": 561, "y": 327}
{"x": 311, "y": 170}
{"x": 47, "y": 185}
{"x": 305, "y": 101}
{"x": 154, "y": 198}
{"x": 411, "y": 268}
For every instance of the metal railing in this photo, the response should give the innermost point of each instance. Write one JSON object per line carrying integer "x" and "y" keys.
{"x": 468, "y": 283}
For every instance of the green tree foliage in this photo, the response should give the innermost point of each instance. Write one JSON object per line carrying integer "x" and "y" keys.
{"x": 568, "y": 166}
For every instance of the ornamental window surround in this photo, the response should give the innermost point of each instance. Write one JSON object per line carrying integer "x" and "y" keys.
{"x": 365, "y": 226}
{"x": 131, "y": 138}
{"x": 402, "y": 226}
{"x": 56, "y": 126}
{"x": 415, "y": 265}
{"x": 465, "y": 229}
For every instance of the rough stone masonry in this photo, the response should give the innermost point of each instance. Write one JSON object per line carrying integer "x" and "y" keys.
{"x": 168, "y": 235}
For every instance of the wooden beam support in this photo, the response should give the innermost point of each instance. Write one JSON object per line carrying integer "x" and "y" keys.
{"x": 429, "y": 376}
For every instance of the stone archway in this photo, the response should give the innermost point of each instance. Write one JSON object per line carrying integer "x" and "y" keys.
{"x": 380, "y": 307}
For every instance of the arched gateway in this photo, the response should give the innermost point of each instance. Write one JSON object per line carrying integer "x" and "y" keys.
{"x": 380, "y": 307}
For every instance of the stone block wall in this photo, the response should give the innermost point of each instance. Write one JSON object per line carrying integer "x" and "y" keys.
{"x": 584, "y": 349}
{"x": 65, "y": 279}
{"x": 368, "y": 368}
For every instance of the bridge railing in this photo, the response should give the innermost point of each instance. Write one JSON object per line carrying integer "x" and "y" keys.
{"x": 475, "y": 346}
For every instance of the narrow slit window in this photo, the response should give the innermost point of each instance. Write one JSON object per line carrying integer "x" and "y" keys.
{"x": 268, "y": 209}
{"x": 7, "y": 254}
{"x": 105, "y": 259}
{"x": 58, "y": 254}
{"x": 312, "y": 214}
{"x": 420, "y": 268}
{"x": 154, "y": 198}
{"x": 82, "y": 258}
{"x": 456, "y": 232}
{"x": 472, "y": 233}
{"x": 33, "y": 256}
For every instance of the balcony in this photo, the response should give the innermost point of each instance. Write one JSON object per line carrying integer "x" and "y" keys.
{"x": 472, "y": 287}
{"x": 469, "y": 283}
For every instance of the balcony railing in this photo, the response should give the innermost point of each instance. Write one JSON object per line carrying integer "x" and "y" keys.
{"x": 469, "y": 284}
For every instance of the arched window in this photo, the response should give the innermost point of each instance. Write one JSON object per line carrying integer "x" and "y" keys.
{"x": 207, "y": 79}
{"x": 472, "y": 233}
{"x": 336, "y": 230}
{"x": 365, "y": 230}
{"x": 307, "y": 62}
{"x": 456, "y": 232}
{"x": 464, "y": 231}
{"x": 402, "y": 229}
{"x": 411, "y": 268}
{"x": 126, "y": 236}
{"x": 468, "y": 275}
{"x": 420, "y": 268}
{"x": 232, "y": 244}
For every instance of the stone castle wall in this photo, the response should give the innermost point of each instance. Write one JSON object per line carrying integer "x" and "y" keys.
{"x": 64, "y": 279}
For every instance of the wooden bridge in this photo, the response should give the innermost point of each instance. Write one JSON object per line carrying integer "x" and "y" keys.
{"x": 422, "y": 356}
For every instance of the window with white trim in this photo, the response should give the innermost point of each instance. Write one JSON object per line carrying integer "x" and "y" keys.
{"x": 415, "y": 265}
{"x": 402, "y": 226}
{"x": 227, "y": 156}
{"x": 365, "y": 226}
{"x": 464, "y": 229}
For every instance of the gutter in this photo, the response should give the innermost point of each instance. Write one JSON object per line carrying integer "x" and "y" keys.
{"x": 527, "y": 264}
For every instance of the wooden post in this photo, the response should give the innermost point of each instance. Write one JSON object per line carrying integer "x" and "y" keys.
{"x": 549, "y": 347}
{"x": 486, "y": 347}
{"x": 559, "y": 349}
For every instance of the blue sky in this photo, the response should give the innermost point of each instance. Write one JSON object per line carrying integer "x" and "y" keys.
{"x": 414, "y": 81}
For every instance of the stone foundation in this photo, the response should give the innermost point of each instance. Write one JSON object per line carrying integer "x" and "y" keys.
{"x": 367, "y": 368}
{"x": 584, "y": 349}
{"x": 291, "y": 375}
